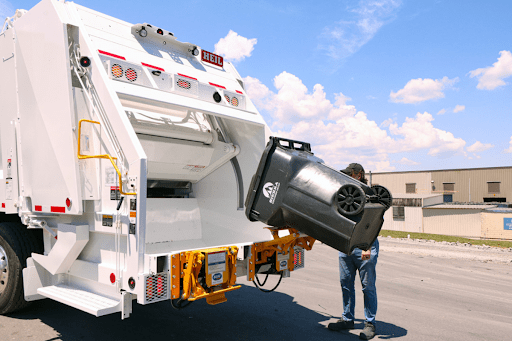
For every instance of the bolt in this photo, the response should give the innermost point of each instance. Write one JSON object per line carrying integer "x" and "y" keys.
{"x": 173, "y": 286}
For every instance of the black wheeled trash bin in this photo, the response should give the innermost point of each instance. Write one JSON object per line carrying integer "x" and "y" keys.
{"x": 292, "y": 188}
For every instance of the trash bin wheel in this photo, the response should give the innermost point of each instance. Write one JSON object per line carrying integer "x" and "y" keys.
{"x": 384, "y": 195}
{"x": 350, "y": 199}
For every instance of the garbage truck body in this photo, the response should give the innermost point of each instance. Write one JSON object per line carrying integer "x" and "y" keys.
{"x": 126, "y": 156}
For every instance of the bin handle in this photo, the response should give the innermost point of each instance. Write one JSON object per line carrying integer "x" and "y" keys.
{"x": 292, "y": 144}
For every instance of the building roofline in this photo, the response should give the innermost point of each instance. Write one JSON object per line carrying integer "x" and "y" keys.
{"x": 444, "y": 170}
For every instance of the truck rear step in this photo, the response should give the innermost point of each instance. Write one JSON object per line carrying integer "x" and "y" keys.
{"x": 89, "y": 302}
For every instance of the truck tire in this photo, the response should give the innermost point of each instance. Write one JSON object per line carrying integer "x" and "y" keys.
{"x": 16, "y": 245}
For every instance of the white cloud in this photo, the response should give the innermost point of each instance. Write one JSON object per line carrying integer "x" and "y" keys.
{"x": 234, "y": 47}
{"x": 459, "y": 108}
{"x": 260, "y": 94}
{"x": 479, "y": 147}
{"x": 341, "y": 134}
{"x": 407, "y": 162}
{"x": 419, "y": 133}
{"x": 420, "y": 90}
{"x": 386, "y": 123}
{"x": 509, "y": 150}
{"x": 292, "y": 102}
{"x": 441, "y": 112}
{"x": 359, "y": 26}
{"x": 491, "y": 77}
{"x": 6, "y": 10}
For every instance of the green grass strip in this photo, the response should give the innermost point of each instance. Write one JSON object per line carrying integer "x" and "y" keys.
{"x": 450, "y": 239}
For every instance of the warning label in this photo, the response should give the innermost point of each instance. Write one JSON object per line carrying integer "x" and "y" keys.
{"x": 194, "y": 168}
{"x": 216, "y": 262}
{"x": 282, "y": 261}
{"x": 114, "y": 193}
{"x": 110, "y": 176}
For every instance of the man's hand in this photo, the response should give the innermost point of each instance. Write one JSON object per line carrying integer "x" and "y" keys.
{"x": 365, "y": 255}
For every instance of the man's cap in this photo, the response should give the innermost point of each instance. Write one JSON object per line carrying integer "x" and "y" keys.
{"x": 353, "y": 167}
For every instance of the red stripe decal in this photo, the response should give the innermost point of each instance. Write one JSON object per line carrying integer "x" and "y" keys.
{"x": 179, "y": 74}
{"x": 111, "y": 54}
{"x": 217, "y": 85}
{"x": 58, "y": 209}
{"x": 153, "y": 67}
{"x": 38, "y": 208}
{"x": 240, "y": 92}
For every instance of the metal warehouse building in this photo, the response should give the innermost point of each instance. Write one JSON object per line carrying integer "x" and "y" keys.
{"x": 457, "y": 185}
{"x": 424, "y": 201}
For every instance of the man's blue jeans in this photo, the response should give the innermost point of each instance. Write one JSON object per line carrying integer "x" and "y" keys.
{"x": 348, "y": 267}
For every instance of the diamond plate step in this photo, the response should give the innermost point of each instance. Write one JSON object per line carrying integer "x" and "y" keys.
{"x": 89, "y": 302}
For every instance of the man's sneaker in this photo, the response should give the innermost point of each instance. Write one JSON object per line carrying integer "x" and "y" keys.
{"x": 368, "y": 331}
{"x": 341, "y": 324}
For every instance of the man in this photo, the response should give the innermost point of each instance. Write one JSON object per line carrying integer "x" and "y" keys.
{"x": 365, "y": 262}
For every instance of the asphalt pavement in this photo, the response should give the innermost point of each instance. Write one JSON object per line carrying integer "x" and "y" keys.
{"x": 420, "y": 298}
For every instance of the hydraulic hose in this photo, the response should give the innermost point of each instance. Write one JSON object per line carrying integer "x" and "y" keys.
{"x": 258, "y": 285}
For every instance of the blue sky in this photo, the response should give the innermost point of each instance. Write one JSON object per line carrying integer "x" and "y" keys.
{"x": 395, "y": 85}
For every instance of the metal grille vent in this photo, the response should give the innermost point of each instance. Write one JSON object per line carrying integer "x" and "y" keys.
{"x": 298, "y": 258}
{"x": 123, "y": 71}
{"x": 157, "y": 287}
{"x": 185, "y": 85}
{"x": 235, "y": 99}
{"x": 131, "y": 75}
{"x": 117, "y": 70}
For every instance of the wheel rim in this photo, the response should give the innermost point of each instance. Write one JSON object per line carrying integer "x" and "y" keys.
{"x": 384, "y": 195}
{"x": 4, "y": 270}
{"x": 351, "y": 199}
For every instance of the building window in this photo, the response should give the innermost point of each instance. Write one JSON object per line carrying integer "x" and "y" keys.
{"x": 410, "y": 188}
{"x": 494, "y": 199}
{"x": 448, "y": 186}
{"x": 409, "y": 202}
{"x": 447, "y": 198}
{"x": 493, "y": 187}
{"x": 398, "y": 212}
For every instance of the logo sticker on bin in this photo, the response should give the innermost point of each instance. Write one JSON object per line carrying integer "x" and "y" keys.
{"x": 270, "y": 191}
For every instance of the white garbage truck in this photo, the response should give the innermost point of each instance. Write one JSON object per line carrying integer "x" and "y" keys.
{"x": 126, "y": 160}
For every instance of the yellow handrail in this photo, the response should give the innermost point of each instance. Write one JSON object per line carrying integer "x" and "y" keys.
{"x": 103, "y": 156}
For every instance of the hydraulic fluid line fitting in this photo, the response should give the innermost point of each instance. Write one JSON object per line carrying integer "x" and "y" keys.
{"x": 39, "y": 223}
